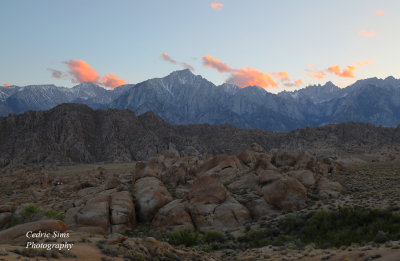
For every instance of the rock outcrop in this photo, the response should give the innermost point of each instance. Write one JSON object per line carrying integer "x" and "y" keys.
{"x": 224, "y": 193}
{"x": 173, "y": 216}
{"x": 17, "y": 234}
{"x": 177, "y": 191}
{"x": 110, "y": 211}
{"x": 150, "y": 195}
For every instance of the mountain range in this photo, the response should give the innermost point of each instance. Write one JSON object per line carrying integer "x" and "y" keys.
{"x": 185, "y": 98}
{"x": 77, "y": 133}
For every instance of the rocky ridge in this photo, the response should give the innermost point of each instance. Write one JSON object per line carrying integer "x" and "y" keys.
{"x": 184, "y": 98}
{"x": 75, "y": 133}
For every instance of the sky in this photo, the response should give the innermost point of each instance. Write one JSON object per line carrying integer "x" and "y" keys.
{"x": 278, "y": 45}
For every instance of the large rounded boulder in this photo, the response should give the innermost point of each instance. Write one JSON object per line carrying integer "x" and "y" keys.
{"x": 285, "y": 194}
{"x": 150, "y": 195}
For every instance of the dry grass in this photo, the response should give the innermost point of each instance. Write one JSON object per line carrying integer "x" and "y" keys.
{"x": 374, "y": 184}
{"x": 117, "y": 168}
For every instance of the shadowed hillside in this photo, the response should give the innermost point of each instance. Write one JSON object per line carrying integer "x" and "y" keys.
{"x": 77, "y": 133}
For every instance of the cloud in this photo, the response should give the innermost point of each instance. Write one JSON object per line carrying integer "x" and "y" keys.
{"x": 294, "y": 84}
{"x": 241, "y": 77}
{"x": 167, "y": 58}
{"x": 312, "y": 66}
{"x": 251, "y": 77}
{"x": 365, "y": 62}
{"x": 82, "y": 72}
{"x": 379, "y": 12}
{"x": 112, "y": 81}
{"x": 367, "y": 34}
{"x": 316, "y": 74}
{"x": 215, "y": 64}
{"x": 57, "y": 74}
{"x": 216, "y": 6}
{"x": 298, "y": 82}
{"x": 7, "y": 85}
{"x": 347, "y": 72}
{"x": 282, "y": 76}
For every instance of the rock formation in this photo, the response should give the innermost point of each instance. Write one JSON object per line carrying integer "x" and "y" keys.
{"x": 76, "y": 133}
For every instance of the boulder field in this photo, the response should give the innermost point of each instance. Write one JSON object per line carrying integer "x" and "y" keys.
{"x": 189, "y": 191}
{"x": 224, "y": 192}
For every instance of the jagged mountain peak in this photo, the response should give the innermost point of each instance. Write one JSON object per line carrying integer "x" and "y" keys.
{"x": 330, "y": 84}
{"x": 184, "y": 72}
{"x": 390, "y": 78}
{"x": 40, "y": 85}
{"x": 88, "y": 89}
{"x": 229, "y": 88}
{"x": 183, "y": 97}
{"x": 388, "y": 81}
{"x": 186, "y": 77}
{"x": 87, "y": 85}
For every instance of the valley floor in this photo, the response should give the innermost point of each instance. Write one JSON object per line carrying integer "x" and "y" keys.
{"x": 366, "y": 184}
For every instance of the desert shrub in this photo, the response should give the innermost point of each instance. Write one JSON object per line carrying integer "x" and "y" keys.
{"x": 109, "y": 252}
{"x": 135, "y": 257}
{"x": 185, "y": 237}
{"x": 32, "y": 213}
{"x": 213, "y": 236}
{"x": 282, "y": 240}
{"x": 67, "y": 254}
{"x": 15, "y": 221}
{"x": 54, "y": 214}
{"x": 169, "y": 256}
{"x": 350, "y": 225}
{"x": 380, "y": 237}
{"x": 205, "y": 247}
{"x": 210, "y": 239}
{"x": 31, "y": 252}
{"x": 340, "y": 227}
{"x": 256, "y": 238}
{"x": 292, "y": 224}
{"x": 29, "y": 211}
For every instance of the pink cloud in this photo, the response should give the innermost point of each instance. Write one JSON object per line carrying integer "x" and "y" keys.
{"x": 241, "y": 77}
{"x": 251, "y": 77}
{"x": 312, "y": 66}
{"x": 367, "y": 34}
{"x": 7, "y": 85}
{"x": 379, "y": 12}
{"x": 216, "y": 6}
{"x": 215, "y": 64}
{"x": 361, "y": 63}
{"x": 282, "y": 76}
{"x": 316, "y": 74}
{"x": 82, "y": 72}
{"x": 294, "y": 84}
{"x": 167, "y": 58}
{"x": 347, "y": 72}
{"x": 112, "y": 81}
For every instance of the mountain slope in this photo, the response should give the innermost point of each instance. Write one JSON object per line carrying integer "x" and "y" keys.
{"x": 16, "y": 99}
{"x": 77, "y": 133}
{"x": 185, "y": 98}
